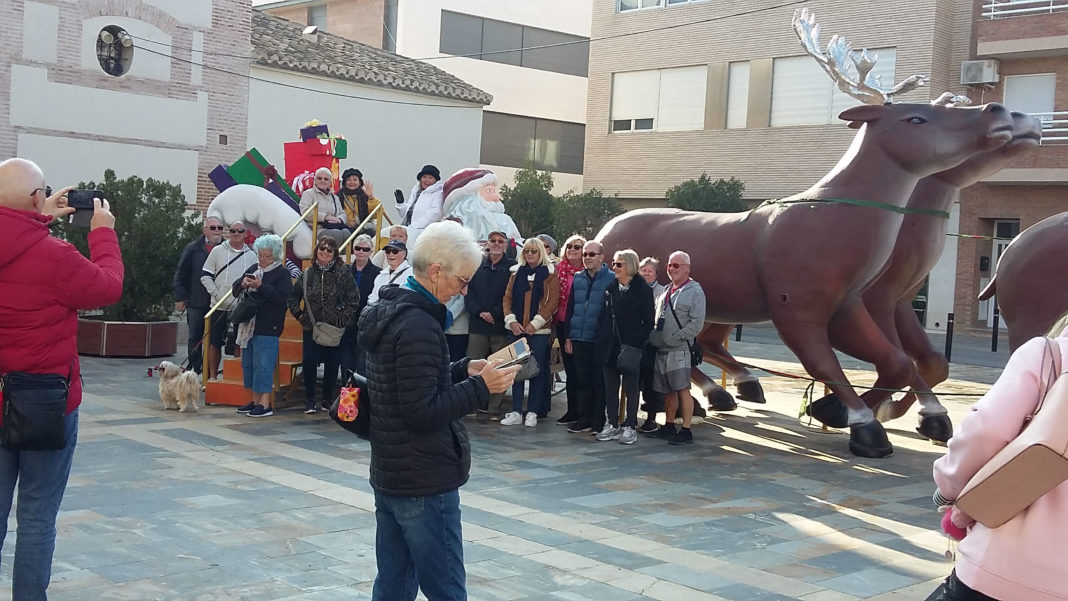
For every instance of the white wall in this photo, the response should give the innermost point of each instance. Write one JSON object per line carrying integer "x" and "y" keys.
{"x": 389, "y": 143}
{"x": 67, "y": 161}
{"x": 943, "y": 280}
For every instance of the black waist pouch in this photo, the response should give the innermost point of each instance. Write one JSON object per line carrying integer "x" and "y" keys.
{"x": 35, "y": 406}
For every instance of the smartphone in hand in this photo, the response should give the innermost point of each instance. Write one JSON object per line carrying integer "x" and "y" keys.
{"x": 82, "y": 202}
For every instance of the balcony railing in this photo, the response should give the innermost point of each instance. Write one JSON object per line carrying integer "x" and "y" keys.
{"x": 1054, "y": 127}
{"x": 999, "y": 9}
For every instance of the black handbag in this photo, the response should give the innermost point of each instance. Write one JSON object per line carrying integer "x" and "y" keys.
{"x": 697, "y": 354}
{"x": 35, "y": 409}
{"x": 361, "y": 426}
{"x": 245, "y": 308}
{"x": 629, "y": 359}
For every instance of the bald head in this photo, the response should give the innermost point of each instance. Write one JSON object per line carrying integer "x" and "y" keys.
{"x": 21, "y": 185}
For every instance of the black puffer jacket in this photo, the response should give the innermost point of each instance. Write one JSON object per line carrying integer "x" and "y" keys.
{"x": 419, "y": 447}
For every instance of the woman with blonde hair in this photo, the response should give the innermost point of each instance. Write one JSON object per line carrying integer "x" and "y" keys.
{"x": 1021, "y": 559}
{"x": 331, "y": 211}
{"x": 570, "y": 263}
{"x": 530, "y": 300}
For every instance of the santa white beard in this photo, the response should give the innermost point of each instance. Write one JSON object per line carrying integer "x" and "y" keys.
{"x": 482, "y": 217}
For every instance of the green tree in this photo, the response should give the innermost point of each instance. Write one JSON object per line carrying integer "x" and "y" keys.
{"x": 703, "y": 194}
{"x": 153, "y": 227}
{"x": 530, "y": 202}
{"x": 584, "y": 213}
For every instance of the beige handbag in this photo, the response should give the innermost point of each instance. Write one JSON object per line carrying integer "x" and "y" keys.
{"x": 323, "y": 333}
{"x": 1033, "y": 463}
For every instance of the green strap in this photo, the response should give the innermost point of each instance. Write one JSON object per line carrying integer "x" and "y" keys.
{"x": 859, "y": 203}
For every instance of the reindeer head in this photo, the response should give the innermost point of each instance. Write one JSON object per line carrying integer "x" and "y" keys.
{"x": 849, "y": 69}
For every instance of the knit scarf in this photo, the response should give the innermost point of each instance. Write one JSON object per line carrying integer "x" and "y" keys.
{"x": 522, "y": 285}
{"x": 360, "y": 204}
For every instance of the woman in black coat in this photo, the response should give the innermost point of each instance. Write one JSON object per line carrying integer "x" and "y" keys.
{"x": 624, "y": 327}
{"x": 364, "y": 272}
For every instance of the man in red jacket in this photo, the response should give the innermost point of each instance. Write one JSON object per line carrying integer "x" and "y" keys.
{"x": 45, "y": 281}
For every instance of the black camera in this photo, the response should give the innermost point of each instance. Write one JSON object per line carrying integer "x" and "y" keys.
{"x": 660, "y": 324}
{"x": 82, "y": 201}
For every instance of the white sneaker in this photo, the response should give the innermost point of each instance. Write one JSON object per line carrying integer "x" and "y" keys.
{"x": 512, "y": 418}
{"x": 628, "y": 436}
{"x": 532, "y": 420}
{"x": 609, "y": 432}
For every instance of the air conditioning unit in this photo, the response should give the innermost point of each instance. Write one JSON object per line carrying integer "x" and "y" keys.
{"x": 978, "y": 72}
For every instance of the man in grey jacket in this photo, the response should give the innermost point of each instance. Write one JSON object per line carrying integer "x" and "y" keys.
{"x": 680, "y": 316}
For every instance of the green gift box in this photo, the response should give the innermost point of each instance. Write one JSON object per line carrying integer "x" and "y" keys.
{"x": 252, "y": 168}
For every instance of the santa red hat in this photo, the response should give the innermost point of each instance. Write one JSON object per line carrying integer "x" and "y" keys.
{"x": 466, "y": 180}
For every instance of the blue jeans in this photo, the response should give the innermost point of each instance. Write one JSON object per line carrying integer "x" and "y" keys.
{"x": 539, "y": 384}
{"x": 418, "y": 544}
{"x": 258, "y": 361}
{"x": 42, "y": 478}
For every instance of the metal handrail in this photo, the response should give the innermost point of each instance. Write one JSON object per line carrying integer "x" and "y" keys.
{"x": 229, "y": 294}
{"x": 1054, "y": 127}
{"x": 996, "y": 9}
{"x": 377, "y": 214}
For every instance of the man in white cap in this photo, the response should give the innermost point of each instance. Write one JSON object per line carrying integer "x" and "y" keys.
{"x": 471, "y": 196}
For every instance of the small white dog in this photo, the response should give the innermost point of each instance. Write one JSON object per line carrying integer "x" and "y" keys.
{"x": 179, "y": 390}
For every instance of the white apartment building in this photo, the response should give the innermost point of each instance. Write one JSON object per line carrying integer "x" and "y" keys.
{"x": 531, "y": 56}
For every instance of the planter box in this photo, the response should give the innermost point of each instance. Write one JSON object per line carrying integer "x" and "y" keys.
{"x": 127, "y": 338}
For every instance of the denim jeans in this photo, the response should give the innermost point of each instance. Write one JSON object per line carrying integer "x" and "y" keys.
{"x": 42, "y": 478}
{"x": 538, "y": 401}
{"x": 418, "y": 544}
{"x": 258, "y": 361}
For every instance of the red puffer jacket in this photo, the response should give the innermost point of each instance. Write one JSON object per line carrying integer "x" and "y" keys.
{"x": 43, "y": 283}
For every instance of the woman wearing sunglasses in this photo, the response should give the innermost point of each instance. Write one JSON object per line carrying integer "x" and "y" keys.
{"x": 570, "y": 264}
{"x": 529, "y": 304}
{"x": 364, "y": 273}
{"x": 397, "y": 269}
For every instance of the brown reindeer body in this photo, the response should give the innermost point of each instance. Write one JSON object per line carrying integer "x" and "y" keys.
{"x": 1032, "y": 290}
{"x": 805, "y": 260}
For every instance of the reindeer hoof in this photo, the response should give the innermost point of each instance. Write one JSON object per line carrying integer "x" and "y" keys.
{"x": 938, "y": 428}
{"x": 720, "y": 400}
{"x": 751, "y": 391}
{"x": 869, "y": 440}
{"x": 829, "y": 411}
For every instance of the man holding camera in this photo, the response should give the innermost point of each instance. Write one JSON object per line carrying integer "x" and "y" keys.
{"x": 190, "y": 294}
{"x": 45, "y": 281}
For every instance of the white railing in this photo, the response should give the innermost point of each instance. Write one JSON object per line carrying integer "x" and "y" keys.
{"x": 1054, "y": 127}
{"x": 998, "y": 9}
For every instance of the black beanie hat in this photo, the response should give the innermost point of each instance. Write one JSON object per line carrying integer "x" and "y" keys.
{"x": 429, "y": 170}
{"x": 351, "y": 171}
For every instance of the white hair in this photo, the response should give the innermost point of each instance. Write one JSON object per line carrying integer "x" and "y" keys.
{"x": 365, "y": 239}
{"x": 322, "y": 170}
{"x": 681, "y": 253}
{"x": 448, "y": 244}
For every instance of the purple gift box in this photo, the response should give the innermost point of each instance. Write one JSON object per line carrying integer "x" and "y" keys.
{"x": 313, "y": 132}
{"x": 221, "y": 177}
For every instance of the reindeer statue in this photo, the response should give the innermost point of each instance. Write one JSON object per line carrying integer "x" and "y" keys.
{"x": 1029, "y": 280}
{"x": 804, "y": 260}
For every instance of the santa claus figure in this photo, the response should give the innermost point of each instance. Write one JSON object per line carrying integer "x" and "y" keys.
{"x": 471, "y": 198}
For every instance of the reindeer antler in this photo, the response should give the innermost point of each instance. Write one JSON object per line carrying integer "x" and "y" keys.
{"x": 951, "y": 100}
{"x": 849, "y": 69}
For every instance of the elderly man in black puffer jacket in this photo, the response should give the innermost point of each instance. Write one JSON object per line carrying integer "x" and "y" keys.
{"x": 420, "y": 454}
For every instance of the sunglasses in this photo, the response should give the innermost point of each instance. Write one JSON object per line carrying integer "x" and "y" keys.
{"x": 236, "y": 231}
{"x": 497, "y": 241}
{"x": 215, "y": 228}
{"x": 326, "y": 248}
{"x": 591, "y": 254}
{"x": 677, "y": 265}
{"x": 530, "y": 251}
{"x": 617, "y": 264}
{"x": 47, "y": 191}
{"x": 391, "y": 251}
{"x": 574, "y": 247}
{"x": 365, "y": 249}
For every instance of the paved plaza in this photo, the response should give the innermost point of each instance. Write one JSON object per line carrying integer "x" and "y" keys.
{"x": 216, "y": 506}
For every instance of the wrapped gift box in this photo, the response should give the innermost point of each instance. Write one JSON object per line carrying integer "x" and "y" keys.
{"x": 221, "y": 178}
{"x": 307, "y": 157}
{"x": 252, "y": 168}
{"x": 313, "y": 132}
{"x": 334, "y": 147}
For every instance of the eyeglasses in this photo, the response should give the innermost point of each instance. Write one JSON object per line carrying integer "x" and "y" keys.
{"x": 497, "y": 241}
{"x": 234, "y": 230}
{"x": 592, "y": 254}
{"x": 677, "y": 265}
{"x": 391, "y": 250}
{"x": 464, "y": 282}
{"x": 574, "y": 247}
{"x": 365, "y": 249}
{"x": 530, "y": 251}
{"x": 617, "y": 264}
{"x": 326, "y": 248}
{"x": 47, "y": 191}
{"x": 214, "y": 228}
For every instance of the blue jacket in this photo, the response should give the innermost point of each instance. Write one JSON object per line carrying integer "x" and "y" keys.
{"x": 585, "y": 303}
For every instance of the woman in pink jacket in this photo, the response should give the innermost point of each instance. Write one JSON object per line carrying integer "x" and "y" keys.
{"x": 1022, "y": 560}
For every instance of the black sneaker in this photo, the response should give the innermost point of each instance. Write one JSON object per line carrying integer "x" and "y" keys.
{"x": 579, "y": 426}
{"x": 683, "y": 436}
{"x": 310, "y": 410}
{"x": 246, "y": 408}
{"x": 566, "y": 419}
{"x": 663, "y": 432}
{"x": 325, "y": 406}
{"x": 649, "y": 426}
{"x": 261, "y": 411}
